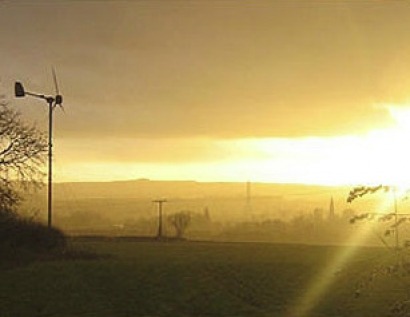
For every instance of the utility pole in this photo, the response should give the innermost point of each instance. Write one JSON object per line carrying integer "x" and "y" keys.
{"x": 248, "y": 202}
{"x": 248, "y": 194}
{"x": 159, "y": 202}
{"x": 396, "y": 216}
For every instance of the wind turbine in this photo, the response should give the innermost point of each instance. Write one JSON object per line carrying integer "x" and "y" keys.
{"x": 53, "y": 102}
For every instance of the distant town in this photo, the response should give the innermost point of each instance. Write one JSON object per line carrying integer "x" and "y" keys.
{"x": 218, "y": 211}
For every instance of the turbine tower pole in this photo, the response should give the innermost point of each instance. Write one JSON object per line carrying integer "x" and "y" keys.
{"x": 53, "y": 102}
{"x": 50, "y": 163}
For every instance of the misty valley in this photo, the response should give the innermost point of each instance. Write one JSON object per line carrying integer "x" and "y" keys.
{"x": 257, "y": 212}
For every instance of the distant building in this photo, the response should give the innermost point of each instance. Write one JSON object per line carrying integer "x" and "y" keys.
{"x": 207, "y": 215}
{"x": 332, "y": 209}
{"x": 348, "y": 214}
{"x": 318, "y": 214}
{"x": 248, "y": 193}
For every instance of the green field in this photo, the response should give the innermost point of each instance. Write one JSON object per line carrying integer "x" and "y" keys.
{"x": 206, "y": 279}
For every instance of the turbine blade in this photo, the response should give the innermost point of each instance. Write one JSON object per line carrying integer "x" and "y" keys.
{"x": 55, "y": 81}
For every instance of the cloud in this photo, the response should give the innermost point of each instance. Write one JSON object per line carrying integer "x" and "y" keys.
{"x": 209, "y": 69}
{"x": 168, "y": 151}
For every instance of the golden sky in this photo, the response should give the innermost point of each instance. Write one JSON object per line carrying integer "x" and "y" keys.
{"x": 278, "y": 91}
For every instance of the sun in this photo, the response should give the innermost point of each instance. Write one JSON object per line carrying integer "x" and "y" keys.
{"x": 394, "y": 147}
{"x": 385, "y": 154}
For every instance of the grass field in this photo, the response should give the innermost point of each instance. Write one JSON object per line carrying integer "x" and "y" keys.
{"x": 206, "y": 279}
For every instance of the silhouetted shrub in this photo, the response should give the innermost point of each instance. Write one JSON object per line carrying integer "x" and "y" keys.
{"x": 18, "y": 233}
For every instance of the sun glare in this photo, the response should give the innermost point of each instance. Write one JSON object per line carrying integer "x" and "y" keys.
{"x": 380, "y": 156}
{"x": 390, "y": 146}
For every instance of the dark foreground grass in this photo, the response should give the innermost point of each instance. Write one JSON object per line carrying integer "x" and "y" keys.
{"x": 202, "y": 279}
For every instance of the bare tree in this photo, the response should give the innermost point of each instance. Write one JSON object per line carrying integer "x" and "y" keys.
{"x": 180, "y": 221}
{"x": 22, "y": 154}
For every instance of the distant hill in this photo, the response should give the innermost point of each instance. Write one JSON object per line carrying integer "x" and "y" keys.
{"x": 147, "y": 189}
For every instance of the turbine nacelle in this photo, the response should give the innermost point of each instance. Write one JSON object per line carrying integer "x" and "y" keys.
{"x": 19, "y": 90}
{"x": 59, "y": 100}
